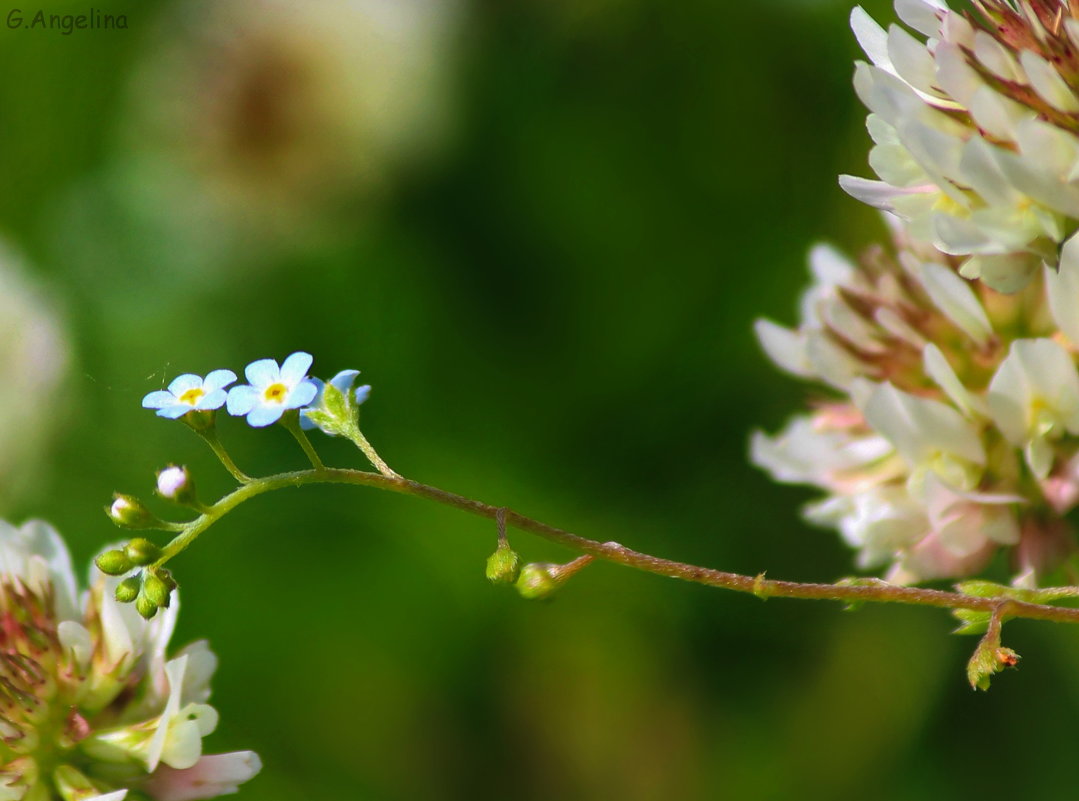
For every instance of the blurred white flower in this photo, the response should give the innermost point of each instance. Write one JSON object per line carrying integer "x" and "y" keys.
{"x": 91, "y": 707}
{"x": 260, "y": 116}
{"x": 938, "y": 406}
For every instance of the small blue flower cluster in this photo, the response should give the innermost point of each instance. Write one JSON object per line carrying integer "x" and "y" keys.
{"x": 272, "y": 390}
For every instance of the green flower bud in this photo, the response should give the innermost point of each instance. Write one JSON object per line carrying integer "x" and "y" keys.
{"x": 128, "y": 512}
{"x": 166, "y": 577}
{"x": 128, "y": 589}
{"x": 145, "y": 607}
{"x": 504, "y": 565}
{"x": 538, "y": 580}
{"x": 155, "y": 589}
{"x": 114, "y": 563}
{"x": 142, "y": 552}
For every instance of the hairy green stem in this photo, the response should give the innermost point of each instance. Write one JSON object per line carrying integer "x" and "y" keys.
{"x": 291, "y": 421}
{"x": 360, "y": 441}
{"x": 210, "y": 437}
{"x": 870, "y": 590}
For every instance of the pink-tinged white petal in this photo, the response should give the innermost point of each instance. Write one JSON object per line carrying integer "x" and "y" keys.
{"x": 212, "y": 776}
{"x": 879, "y": 194}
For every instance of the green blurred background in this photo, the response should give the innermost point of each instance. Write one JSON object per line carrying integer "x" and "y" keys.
{"x": 550, "y": 284}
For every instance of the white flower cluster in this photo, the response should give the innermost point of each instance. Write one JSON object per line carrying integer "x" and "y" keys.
{"x": 976, "y": 130}
{"x": 952, "y": 429}
{"x": 90, "y": 705}
{"x": 957, "y": 427}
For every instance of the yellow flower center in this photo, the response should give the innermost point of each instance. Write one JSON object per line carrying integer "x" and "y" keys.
{"x": 275, "y": 393}
{"x": 191, "y": 397}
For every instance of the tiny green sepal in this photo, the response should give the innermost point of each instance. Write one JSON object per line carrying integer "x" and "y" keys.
{"x": 504, "y": 565}
{"x": 114, "y": 563}
{"x": 127, "y": 511}
{"x": 142, "y": 552}
{"x": 201, "y": 420}
{"x": 128, "y": 589}
{"x": 155, "y": 589}
{"x": 537, "y": 581}
{"x": 145, "y": 607}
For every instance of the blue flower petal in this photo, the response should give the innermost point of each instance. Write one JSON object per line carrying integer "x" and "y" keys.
{"x": 305, "y": 423}
{"x": 218, "y": 379}
{"x": 362, "y": 393}
{"x": 264, "y": 415}
{"x": 172, "y": 412}
{"x": 158, "y": 400}
{"x": 183, "y": 383}
{"x": 295, "y": 367}
{"x": 263, "y": 372}
{"x": 302, "y": 395}
{"x": 212, "y": 400}
{"x": 242, "y": 399}
{"x": 344, "y": 380}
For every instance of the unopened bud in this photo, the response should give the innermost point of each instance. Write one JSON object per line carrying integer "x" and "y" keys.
{"x": 504, "y": 565}
{"x": 114, "y": 563}
{"x": 175, "y": 484}
{"x": 166, "y": 577}
{"x": 155, "y": 589}
{"x": 128, "y": 512}
{"x": 538, "y": 580}
{"x": 142, "y": 552}
{"x": 128, "y": 589}
{"x": 145, "y": 607}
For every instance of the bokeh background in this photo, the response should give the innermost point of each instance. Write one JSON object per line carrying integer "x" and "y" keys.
{"x": 542, "y": 229}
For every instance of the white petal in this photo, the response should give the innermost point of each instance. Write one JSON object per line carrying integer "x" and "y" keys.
{"x": 830, "y": 362}
{"x": 922, "y": 15}
{"x": 829, "y": 266}
{"x": 937, "y": 367}
{"x": 911, "y": 61}
{"x": 996, "y": 59}
{"x": 877, "y": 193}
{"x": 871, "y": 37}
{"x": 75, "y": 638}
{"x": 953, "y": 296}
{"x": 1048, "y": 83}
{"x": 920, "y": 428}
{"x": 955, "y": 75}
{"x": 1006, "y": 273}
{"x": 1062, "y": 289}
{"x": 785, "y": 347}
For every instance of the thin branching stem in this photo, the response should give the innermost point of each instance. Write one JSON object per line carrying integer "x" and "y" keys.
{"x": 855, "y": 592}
